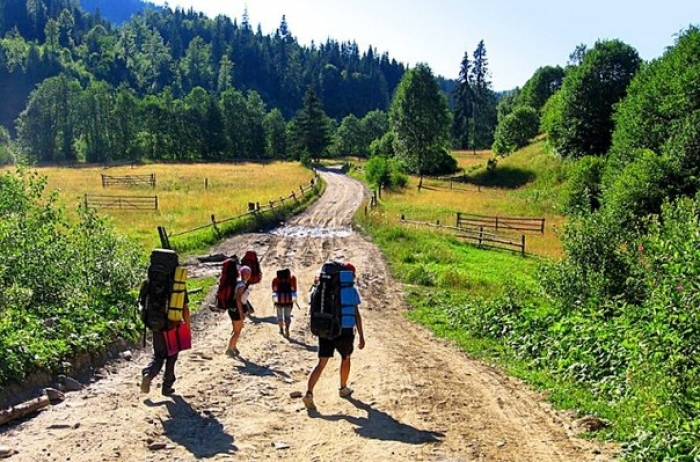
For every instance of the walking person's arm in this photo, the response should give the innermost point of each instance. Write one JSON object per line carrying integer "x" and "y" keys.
{"x": 239, "y": 304}
{"x": 360, "y": 330}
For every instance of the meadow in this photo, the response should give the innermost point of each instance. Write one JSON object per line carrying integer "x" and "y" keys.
{"x": 188, "y": 194}
{"x": 526, "y": 185}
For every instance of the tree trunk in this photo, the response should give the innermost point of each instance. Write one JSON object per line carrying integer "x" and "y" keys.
{"x": 16, "y": 412}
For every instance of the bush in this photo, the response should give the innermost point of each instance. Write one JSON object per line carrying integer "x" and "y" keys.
{"x": 67, "y": 288}
{"x": 582, "y": 189}
{"x": 381, "y": 171}
{"x": 641, "y": 187}
{"x": 516, "y": 130}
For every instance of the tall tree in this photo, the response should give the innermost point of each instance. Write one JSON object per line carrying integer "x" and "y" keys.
{"x": 589, "y": 93}
{"x": 421, "y": 121}
{"x": 464, "y": 105}
{"x": 541, "y": 86}
{"x": 275, "y": 135}
{"x": 484, "y": 103}
{"x": 312, "y": 127}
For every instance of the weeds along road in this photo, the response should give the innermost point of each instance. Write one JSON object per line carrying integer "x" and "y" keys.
{"x": 417, "y": 398}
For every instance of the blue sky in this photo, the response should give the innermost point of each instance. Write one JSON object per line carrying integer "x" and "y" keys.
{"x": 520, "y": 36}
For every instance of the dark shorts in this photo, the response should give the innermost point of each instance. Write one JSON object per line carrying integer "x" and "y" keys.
{"x": 343, "y": 344}
{"x": 235, "y": 315}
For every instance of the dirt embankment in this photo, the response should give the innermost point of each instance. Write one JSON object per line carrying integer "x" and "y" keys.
{"x": 416, "y": 397}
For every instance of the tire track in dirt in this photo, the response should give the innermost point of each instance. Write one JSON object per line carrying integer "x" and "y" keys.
{"x": 417, "y": 397}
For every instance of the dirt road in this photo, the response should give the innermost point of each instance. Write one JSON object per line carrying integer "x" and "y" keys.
{"x": 416, "y": 397}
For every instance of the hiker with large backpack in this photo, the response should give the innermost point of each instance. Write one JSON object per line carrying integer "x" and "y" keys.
{"x": 239, "y": 309}
{"x": 163, "y": 305}
{"x": 334, "y": 315}
{"x": 284, "y": 295}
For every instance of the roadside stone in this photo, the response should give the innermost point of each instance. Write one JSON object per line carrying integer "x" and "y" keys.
{"x": 55, "y": 396}
{"x": 70, "y": 383}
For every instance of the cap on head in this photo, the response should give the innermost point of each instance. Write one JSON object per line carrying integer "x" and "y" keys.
{"x": 245, "y": 270}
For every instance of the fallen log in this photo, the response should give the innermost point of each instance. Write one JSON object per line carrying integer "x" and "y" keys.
{"x": 23, "y": 409}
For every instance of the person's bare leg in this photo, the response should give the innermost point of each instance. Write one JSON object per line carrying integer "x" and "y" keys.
{"x": 344, "y": 371}
{"x": 313, "y": 379}
{"x": 316, "y": 374}
{"x": 235, "y": 335}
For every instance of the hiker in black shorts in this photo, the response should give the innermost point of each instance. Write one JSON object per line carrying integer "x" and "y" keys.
{"x": 344, "y": 344}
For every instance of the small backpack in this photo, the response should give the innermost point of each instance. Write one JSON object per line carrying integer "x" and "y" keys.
{"x": 333, "y": 301}
{"x": 158, "y": 302}
{"x": 284, "y": 288}
{"x": 226, "y": 292}
{"x": 250, "y": 259}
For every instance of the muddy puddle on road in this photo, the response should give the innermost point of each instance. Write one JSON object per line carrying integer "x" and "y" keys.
{"x": 304, "y": 231}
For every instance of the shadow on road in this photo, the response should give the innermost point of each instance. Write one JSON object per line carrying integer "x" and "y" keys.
{"x": 379, "y": 425}
{"x": 258, "y": 320}
{"x": 198, "y": 432}
{"x": 250, "y": 368}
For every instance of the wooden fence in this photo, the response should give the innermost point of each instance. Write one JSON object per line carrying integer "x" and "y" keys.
{"x": 467, "y": 220}
{"x": 253, "y": 209}
{"x": 477, "y": 236}
{"x": 129, "y": 180}
{"x": 122, "y": 202}
{"x": 451, "y": 183}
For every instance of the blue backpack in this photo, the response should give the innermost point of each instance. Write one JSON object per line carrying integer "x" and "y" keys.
{"x": 333, "y": 301}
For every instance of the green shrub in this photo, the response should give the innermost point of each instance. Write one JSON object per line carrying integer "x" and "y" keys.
{"x": 516, "y": 130}
{"x": 67, "y": 288}
{"x": 582, "y": 189}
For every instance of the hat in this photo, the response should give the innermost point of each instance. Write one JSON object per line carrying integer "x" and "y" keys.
{"x": 245, "y": 269}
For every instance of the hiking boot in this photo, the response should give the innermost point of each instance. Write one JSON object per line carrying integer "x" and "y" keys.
{"x": 232, "y": 353}
{"x": 145, "y": 384}
{"x": 281, "y": 331}
{"x": 167, "y": 391}
{"x": 286, "y": 332}
{"x": 345, "y": 392}
{"x": 308, "y": 400}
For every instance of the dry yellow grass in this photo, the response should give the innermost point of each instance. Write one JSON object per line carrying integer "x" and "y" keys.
{"x": 468, "y": 159}
{"x": 184, "y": 201}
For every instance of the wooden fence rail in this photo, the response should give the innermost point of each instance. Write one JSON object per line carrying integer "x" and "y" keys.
{"x": 253, "y": 209}
{"x": 477, "y": 235}
{"x": 129, "y": 180}
{"x": 467, "y": 220}
{"x": 122, "y": 202}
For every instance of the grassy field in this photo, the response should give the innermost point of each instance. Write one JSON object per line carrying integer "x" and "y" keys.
{"x": 524, "y": 185}
{"x": 188, "y": 194}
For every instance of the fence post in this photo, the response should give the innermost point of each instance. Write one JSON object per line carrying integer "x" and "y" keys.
{"x": 206, "y": 183}
{"x": 457, "y": 220}
{"x": 156, "y": 202}
{"x": 153, "y": 180}
{"x": 294, "y": 196}
{"x": 542, "y": 226}
{"x": 496, "y": 224}
{"x": 481, "y": 235}
{"x": 522, "y": 245}
{"x": 213, "y": 225}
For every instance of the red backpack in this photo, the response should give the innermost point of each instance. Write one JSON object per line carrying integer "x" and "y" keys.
{"x": 226, "y": 293}
{"x": 250, "y": 259}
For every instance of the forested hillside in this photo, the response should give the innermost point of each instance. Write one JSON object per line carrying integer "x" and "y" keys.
{"x": 158, "y": 59}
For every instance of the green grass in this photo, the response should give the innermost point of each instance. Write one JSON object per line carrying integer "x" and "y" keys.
{"x": 442, "y": 274}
